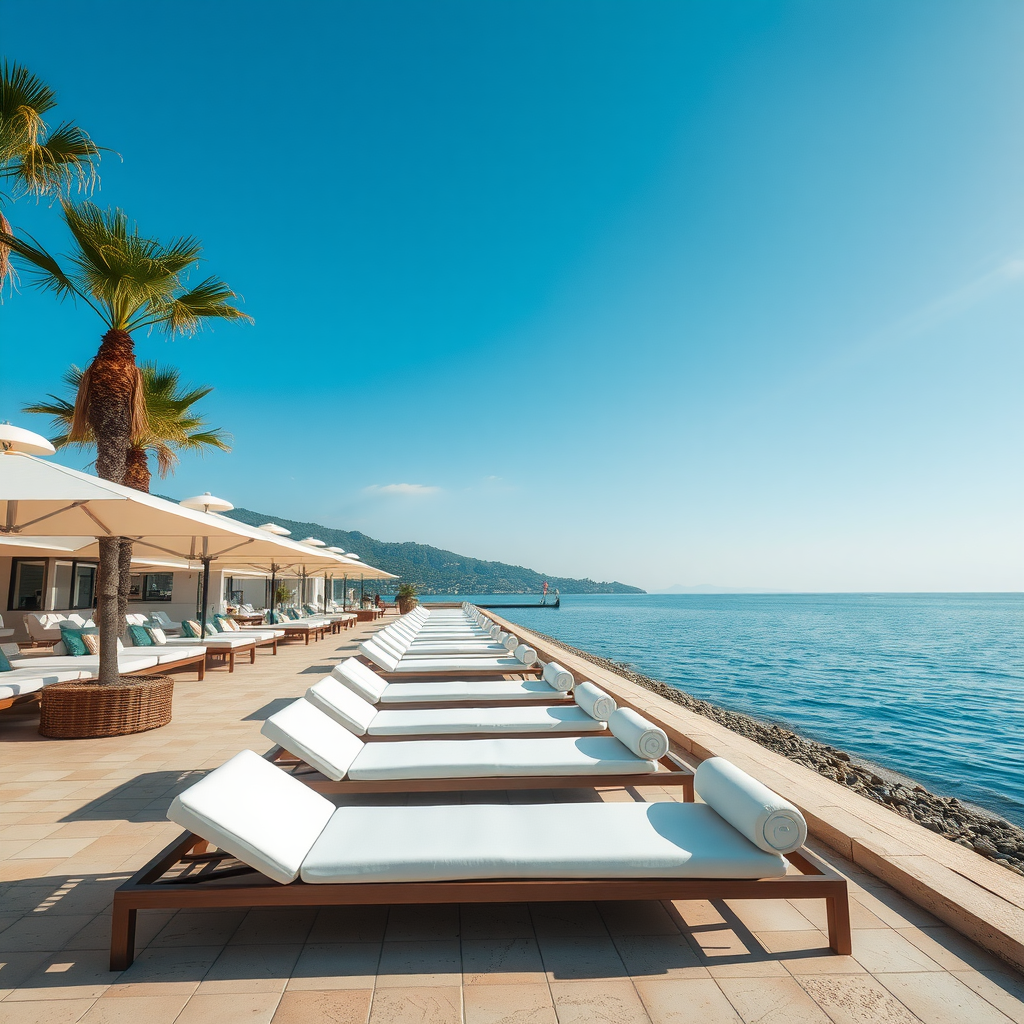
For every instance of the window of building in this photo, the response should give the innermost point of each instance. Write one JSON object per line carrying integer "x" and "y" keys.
{"x": 152, "y": 586}
{"x": 28, "y": 581}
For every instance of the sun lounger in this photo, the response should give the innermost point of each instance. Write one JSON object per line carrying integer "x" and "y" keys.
{"x": 587, "y": 715}
{"x": 30, "y": 675}
{"x": 445, "y": 693}
{"x": 258, "y": 838}
{"x": 306, "y": 736}
{"x": 524, "y": 660}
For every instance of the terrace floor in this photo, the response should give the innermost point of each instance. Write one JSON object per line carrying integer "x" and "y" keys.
{"x": 77, "y": 817}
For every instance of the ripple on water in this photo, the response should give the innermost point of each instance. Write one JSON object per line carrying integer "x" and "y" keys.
{"x": 931, "y": 685}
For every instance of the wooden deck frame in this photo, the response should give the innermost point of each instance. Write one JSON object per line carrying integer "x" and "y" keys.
{"x": 673, "y": 774}
{"x": 199, "y": 885}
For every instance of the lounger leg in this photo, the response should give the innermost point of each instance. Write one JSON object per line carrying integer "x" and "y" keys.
{"x": 231, "y": 661}
{"x": 274, "y": 647}
{"x": 122, "y": 936}
{"x": 252, "y": 656}
{"x": 202, "y": 670}
{"x": 839, "y": 938}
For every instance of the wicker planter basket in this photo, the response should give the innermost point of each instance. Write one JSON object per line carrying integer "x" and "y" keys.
{"x": 406, "y": 604}
{"x": 71, "y": 711}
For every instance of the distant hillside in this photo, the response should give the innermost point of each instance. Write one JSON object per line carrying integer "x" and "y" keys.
{"x": 434, "y": 570}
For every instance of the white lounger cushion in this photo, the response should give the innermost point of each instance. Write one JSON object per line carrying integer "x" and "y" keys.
{"x": 558, "y": 678}
{"x": 644, "y": 738}
{"x": 20, "y": 681}
{"x": 305, "y": 730}
{"x": 764, "y": 817}
{"x": 360, "y": 678}
{"x": 345, "y": 706}
{"x": 453, "y": 721}
{"x": 255, "y": 812}
{"x": 362, "y": 718}
{"x": 221, "y": 642}
{"x": 588, "y": 840}
{"x": 461, "y": 759}
{"x": 501, "y": 690}
{"x": 89, "y": 664}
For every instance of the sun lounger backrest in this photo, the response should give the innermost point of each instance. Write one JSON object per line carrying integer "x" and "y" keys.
{"x": 765, "y": 818}
{"x": 379, "y": 655}
{"x": 360, "y": 679}
{"x": 303, "y": 729}
{"x": 644, "y": 738}
{"x": 257, "y": 813}
{"x": 342, "y": 704}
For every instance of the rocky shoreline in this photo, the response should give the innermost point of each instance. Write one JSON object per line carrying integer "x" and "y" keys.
{"x": 984, "y": 833}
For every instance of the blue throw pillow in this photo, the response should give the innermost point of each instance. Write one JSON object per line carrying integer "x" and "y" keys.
{"x": 5, "y": 665}
{"x": 292, "y": 613}
{"x": 73, "y": 642}
{"x": 186, "y": 630}
{"x": 140, "y": 636}
{"x": 273, "y": 618}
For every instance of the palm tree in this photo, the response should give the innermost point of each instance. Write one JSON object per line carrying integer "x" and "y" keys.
{"x": 173, "y": 425}
{"x": 33, "y": 159}
{"x": 130, "y": 282}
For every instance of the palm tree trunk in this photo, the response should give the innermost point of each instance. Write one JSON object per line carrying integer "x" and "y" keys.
{"x": 124, "y": 582}
{"x": 106, "y": 609}
{"x": 136, "y": 475}
{"x": 110, "y": 408}
{"x": 136, "y": 472}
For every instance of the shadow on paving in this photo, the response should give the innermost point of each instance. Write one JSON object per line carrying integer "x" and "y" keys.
{"x": 144, "y": 798}
{"x": 59, "y": 930}
{"x": 270, "y": 708}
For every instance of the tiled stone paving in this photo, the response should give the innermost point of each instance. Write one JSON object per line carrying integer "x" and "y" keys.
{"x": 77, "y": 817}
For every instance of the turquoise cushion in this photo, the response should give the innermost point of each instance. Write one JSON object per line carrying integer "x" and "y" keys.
{"x": 73, "y": 642}
{"x": 273, "y": 618}
{"x": 140, "y": 636}
{"x": 292, "y": 613}
{"x": 5, "y": 665}
{"x": 186, "y": 630}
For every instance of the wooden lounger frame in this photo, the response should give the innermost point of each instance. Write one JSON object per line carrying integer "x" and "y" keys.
{"x": 673, "y": 774}
{"x": 199, "y": 884}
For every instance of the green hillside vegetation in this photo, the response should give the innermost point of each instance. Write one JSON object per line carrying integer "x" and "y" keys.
{"x": 434, "y": 570}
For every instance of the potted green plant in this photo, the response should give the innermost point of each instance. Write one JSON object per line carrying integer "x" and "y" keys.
{"x": 406, "y": 598}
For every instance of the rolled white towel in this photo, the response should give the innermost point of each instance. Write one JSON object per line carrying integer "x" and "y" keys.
{"x": 558, "y": 678}
{"x": 501, "y": 638}
{"x": 527, "y": 655}
{"x": 764, "y": 817}
{"x": 494, "y": 631}
{"x": 511, "y": 642}
{"x": 644, "y": 738}
{"x": 598, "y": 704}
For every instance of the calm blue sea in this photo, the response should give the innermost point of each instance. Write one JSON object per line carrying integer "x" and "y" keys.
{"x": 931, "y": 685}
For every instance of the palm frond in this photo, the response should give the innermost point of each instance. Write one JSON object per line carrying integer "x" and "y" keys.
{"x": 42, "y": 268}
{"x": 64, "y": 159}
{"x": 185, "y": 313}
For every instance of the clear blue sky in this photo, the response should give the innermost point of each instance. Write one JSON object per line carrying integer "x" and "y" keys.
{"x": 661, "y": 292}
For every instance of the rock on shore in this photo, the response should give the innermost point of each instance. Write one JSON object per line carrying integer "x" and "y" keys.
{"x": 984, "y": 833}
